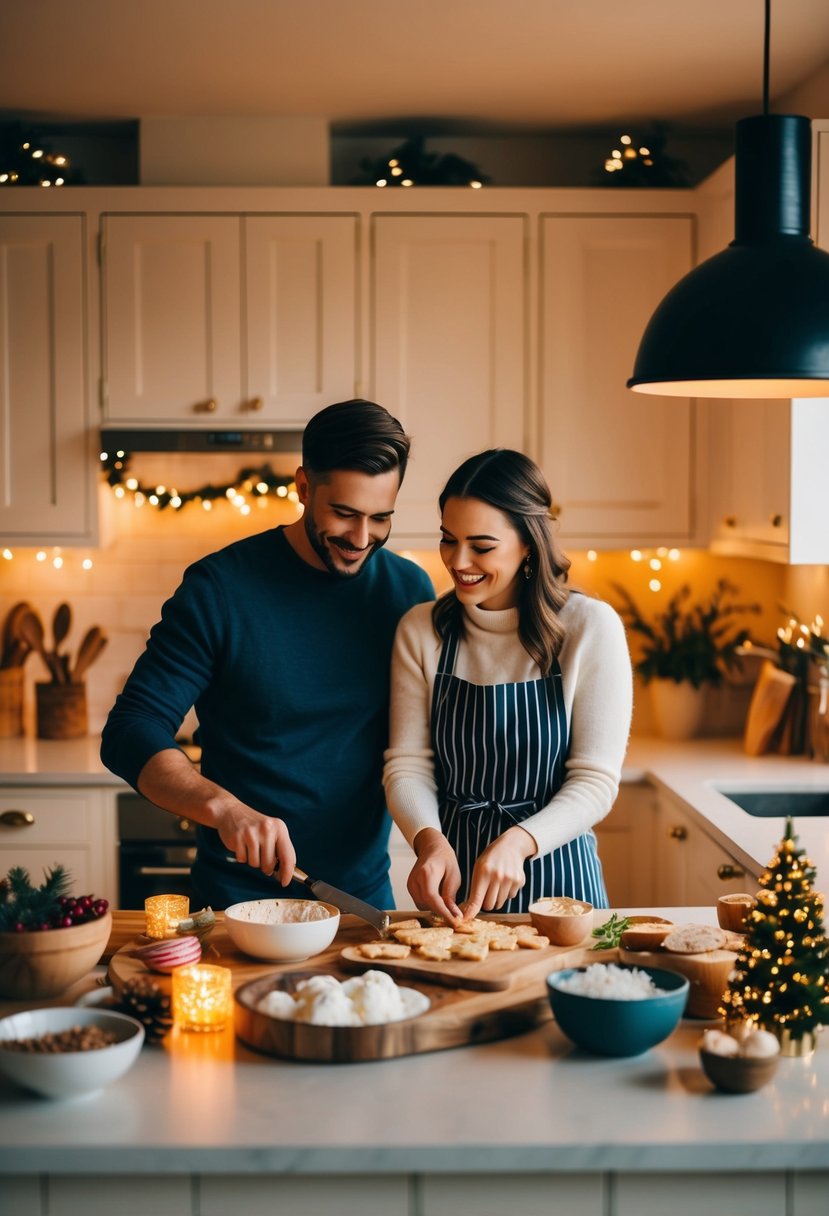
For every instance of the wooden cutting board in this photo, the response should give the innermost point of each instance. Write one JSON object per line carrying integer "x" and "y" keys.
{"x": 457, "y": 1015}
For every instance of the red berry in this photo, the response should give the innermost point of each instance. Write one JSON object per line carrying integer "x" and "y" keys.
{"x": 100, "y": 907}
{"x": 43, "y": 927}
{"x": 66, "y": 922}
{"x": 20, "y": 927}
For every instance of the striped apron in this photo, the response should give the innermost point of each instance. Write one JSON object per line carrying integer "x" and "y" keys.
{"x": 499, "y": 757}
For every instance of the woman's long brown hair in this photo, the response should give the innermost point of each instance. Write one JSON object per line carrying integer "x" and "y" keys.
{"x": 514, "y": 485}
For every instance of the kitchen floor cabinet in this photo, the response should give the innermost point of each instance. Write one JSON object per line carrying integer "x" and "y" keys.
{"x": 448, "y": 334}
{"x": 226, "y": 319}
{"x": 693, "y": 869}
{"x": 47, "y": 469}
{"x": 620, "y": 464}
{"x": 75, "y": 827}
{"x": 626, "y": 839}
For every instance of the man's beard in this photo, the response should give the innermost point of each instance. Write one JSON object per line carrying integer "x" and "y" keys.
{"x": 322, "y": 550}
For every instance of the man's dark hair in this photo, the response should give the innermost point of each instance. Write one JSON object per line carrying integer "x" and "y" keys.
{"x": 357, "y": 435}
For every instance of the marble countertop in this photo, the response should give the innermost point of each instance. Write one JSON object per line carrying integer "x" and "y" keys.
{"x": 206, "y": 1104}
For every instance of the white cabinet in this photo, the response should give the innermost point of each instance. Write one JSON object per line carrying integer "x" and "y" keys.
{"x": 692, "y": 868}
{"x": 74, "y": 826}
{"x": 626, "y": 839}
{"x": 620, "y": 464}
{"x": 227, "y": 319}
{"x": 47, "y": 473}
{"x": 448, "y": 343}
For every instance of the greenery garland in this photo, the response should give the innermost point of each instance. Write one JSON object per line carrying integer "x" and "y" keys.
{"x": 257, "y": 481}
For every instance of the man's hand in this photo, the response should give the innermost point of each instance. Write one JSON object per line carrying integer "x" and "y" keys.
{"x": 435, "y": 877}
{"x": 256, "y": 840}
{"x": 499, "y": 872}
{"x": 169, "y": 780}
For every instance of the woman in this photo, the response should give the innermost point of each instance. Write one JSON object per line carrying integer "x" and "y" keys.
{"x": 511, "y": 707}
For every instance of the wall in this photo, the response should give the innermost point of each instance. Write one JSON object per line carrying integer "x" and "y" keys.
{"x": 147, "y": 551}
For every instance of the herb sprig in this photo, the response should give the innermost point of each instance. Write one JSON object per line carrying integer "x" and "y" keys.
{"x": 610, "y": 933}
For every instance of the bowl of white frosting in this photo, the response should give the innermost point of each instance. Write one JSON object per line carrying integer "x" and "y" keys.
{"x": 282, "y": 930}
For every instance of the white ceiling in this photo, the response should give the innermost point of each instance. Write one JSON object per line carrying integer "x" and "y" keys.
{"x": 533, "y": 64}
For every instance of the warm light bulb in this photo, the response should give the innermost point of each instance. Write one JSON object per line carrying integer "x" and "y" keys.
{"x": 381, "y": 182}
{"x": 86, "y": 564}
{"x": 282, "y": 491}
{"x": 625, "y": 139}
{"x": 592, "y": 555}
{"x": 40, "y": 556}
{"x": 119, "y": 492}
{"x": 636, "y": 555}
{"x": 7, "y": 553}
{"x": 655, "y": 584}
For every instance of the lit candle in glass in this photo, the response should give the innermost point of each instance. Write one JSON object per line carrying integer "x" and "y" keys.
{"x": 163, "y": 912}
{"x": 202, "y": 997}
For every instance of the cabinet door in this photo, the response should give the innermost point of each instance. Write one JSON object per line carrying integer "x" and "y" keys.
{"x": 171, "y": 319}
{"x": 626, "y": 839}
{"x": 749, "y": 485}
{"x": 448, "y": 318}
{"x": 693, "y": 869}
{"x": 47, "y": 473}
{"x": 619, "y": 463}
{"x": 300, "y": 320}
{"x": 40, "y": 827}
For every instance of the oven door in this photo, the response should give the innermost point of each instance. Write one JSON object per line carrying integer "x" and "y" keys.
{"x": 156, "y": 849}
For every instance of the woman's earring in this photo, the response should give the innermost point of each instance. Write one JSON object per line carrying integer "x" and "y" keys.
{"x": 528, "y": 569}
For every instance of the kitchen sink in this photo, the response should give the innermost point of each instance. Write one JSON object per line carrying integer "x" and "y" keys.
{"x": 773, "y": 804}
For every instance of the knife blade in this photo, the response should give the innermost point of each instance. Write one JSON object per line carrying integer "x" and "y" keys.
{"x": 375, "y": 917}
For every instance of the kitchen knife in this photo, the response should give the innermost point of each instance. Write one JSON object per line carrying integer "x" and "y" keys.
{"x": 342, "y": 900}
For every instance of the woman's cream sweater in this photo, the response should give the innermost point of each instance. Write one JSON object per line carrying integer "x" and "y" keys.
{"x": 597, "y": 683}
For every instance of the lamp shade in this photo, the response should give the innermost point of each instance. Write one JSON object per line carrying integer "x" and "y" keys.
{"x": 752, "y": 321}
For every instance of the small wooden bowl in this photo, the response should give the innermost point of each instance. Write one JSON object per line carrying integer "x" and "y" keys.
{"x": 732, "y": 911}
{"x": 645, "y": 932}
{"x": 565, "y": 921}
{"x": 738, "y": 1074}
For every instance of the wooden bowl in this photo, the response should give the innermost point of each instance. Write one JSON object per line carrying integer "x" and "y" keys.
{"x": 645, "y": 932}
{"x": 565, "y": 921}
{"x": 46, "y": 962}
{"x": 732, "y": 911}
{"x": 738, "y": 1074}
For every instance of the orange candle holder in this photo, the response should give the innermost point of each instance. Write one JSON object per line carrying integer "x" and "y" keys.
{"x": 202, "y": 997}
{"x": 163, "y": 912}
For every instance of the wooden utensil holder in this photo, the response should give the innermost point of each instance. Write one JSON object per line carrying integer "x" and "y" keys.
{"x": 61, "y": 711}
{"x": 11, "y": 702}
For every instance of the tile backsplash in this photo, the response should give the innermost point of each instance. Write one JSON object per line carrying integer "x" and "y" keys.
{"x": 147, "y": 551}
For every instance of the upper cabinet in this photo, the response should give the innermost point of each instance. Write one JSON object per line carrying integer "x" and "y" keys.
{"x": 46, "y": 459}
{"x": 620, "y": 464}
{"x": 448, "y": 334}
{"x": 227, "y": 319}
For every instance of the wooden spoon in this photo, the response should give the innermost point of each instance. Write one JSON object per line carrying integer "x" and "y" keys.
{"x": 92, "y": 643}
{"x": 31, "y": 631}
{"x": 61, "y": 624}
{"x": 12, "y": 641}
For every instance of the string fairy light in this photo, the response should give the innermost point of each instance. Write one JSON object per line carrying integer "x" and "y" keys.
{"x": 251, "y": 486}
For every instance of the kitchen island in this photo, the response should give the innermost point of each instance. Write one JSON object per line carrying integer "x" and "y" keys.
{"x": 204, "y": 1127}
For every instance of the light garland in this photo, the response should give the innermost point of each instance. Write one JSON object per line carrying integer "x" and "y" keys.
{"x": 257, "y": 484}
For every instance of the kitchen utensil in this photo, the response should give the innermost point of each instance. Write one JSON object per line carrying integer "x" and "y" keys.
{"x": 12, "y": 647}
{"x": 92, "y": 643}
{"x": 340, "y": 899}
{"x": 61, "y": 624}
{"x": 31, "y": 630}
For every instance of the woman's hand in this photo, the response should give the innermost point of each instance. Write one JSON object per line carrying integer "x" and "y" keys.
{"x": 436, "y": 876}
{"x": 499, "y": 872}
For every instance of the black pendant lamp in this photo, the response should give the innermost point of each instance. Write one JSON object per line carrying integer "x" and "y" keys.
{"x": 752, "y": 321}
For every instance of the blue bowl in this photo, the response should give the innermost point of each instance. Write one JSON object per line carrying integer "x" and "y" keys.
{"x": 611, "y": 1027}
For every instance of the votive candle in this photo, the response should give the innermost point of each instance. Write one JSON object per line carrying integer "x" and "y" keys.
{"x": 202, "y": 997}
{"x": 163, "y": 912}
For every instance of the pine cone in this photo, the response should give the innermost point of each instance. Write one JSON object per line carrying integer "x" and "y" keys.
{"x": 143, "y": 999}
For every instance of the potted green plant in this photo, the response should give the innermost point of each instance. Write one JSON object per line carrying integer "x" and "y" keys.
{"x": 685, "y": 648}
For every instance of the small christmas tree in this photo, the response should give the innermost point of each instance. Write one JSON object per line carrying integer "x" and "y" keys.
{"x": 780, "y": 978}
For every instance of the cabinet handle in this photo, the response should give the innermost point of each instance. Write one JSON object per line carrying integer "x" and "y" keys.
{"x": 678, "y": 833}
{"x": 776, "y": 521}
{"x": 730, "y": 521}
{"x": 184, "y": 825}
{"x": 17, "y": 819}
{"x": 254, "y": 405}
{"x": 727, "y": 871}
{"x": 206, "y": 407}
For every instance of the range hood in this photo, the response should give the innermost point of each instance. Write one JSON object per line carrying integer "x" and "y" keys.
{"x": 117, "y": 439}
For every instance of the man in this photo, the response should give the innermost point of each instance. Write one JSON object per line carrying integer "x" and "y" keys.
{"x": 282, "y": 642}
